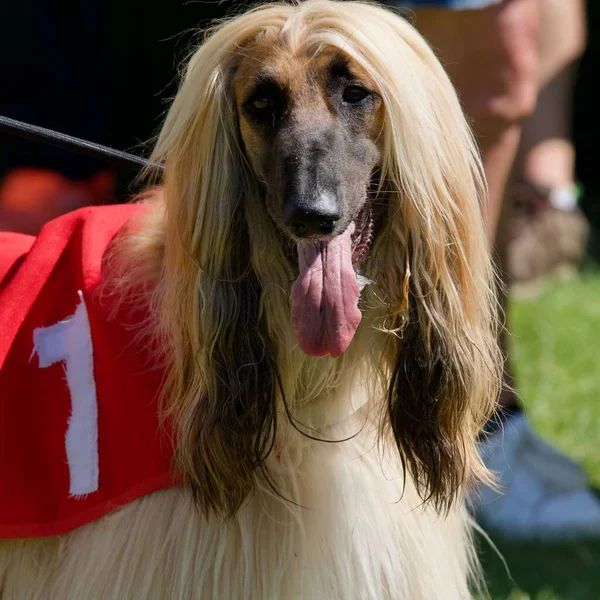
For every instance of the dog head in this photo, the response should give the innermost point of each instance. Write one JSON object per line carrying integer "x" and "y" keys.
{"x": 310, "y": 121}
{"x": 314, "y": 144}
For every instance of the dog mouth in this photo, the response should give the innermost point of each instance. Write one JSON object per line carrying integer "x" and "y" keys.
{"x": 325, "y": 296}
{"x": 362, "y": 237}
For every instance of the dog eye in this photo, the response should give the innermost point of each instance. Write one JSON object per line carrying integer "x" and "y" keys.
{"x": 354, "y": 94}
{"x": 261, "y": 103}
{"x": 266, "y": 104}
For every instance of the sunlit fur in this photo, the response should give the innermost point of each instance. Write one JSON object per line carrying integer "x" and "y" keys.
{"x": 281, "y": 515}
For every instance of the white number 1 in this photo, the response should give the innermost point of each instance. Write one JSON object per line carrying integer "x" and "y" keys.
{"x": 70, "y": 341}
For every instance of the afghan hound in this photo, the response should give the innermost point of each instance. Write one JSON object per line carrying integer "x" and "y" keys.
{"x": 313, "y": 293}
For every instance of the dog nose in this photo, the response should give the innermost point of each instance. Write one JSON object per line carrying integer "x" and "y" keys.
{"x": 305, "y": 223}
{"x": 310, "y": 220}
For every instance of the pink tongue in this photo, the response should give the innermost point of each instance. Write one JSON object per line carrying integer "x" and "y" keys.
{"x": 325, "y": 310}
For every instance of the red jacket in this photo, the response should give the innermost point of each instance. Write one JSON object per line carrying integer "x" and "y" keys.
{"x": 79, "y": 433}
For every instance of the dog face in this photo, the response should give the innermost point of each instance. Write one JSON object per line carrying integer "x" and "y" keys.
{"x": 310, "y": 127}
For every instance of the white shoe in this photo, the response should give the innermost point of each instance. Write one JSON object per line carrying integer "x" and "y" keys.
{"x": 544, "y": 495}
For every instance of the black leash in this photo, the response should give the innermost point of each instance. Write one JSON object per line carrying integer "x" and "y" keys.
{"x": 68, "y": 142}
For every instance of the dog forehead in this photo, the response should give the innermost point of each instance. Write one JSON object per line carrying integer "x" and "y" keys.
{"x": 295, "y": 72}
{"x": 270, "y": 62}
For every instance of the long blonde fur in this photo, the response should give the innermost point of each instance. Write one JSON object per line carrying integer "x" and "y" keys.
{"x": 283, "y": 515}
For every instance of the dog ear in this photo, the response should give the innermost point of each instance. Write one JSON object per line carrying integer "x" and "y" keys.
{"x": 231, "y": 426}
{"x": 222, "y": 386}
{"x": 445, "y": 368}
{"x": 434, "y": 272}
{"x": 221, "y": 380}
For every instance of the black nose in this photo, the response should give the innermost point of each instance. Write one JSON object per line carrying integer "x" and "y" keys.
{"x": 306, "y": 221}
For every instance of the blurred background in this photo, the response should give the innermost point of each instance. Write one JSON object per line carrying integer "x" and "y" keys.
{"x": 104, "y": 70}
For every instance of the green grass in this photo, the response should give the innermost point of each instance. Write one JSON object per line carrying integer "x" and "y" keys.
{"x": 544, "y": 571}
{"x": 556, "y": 355}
